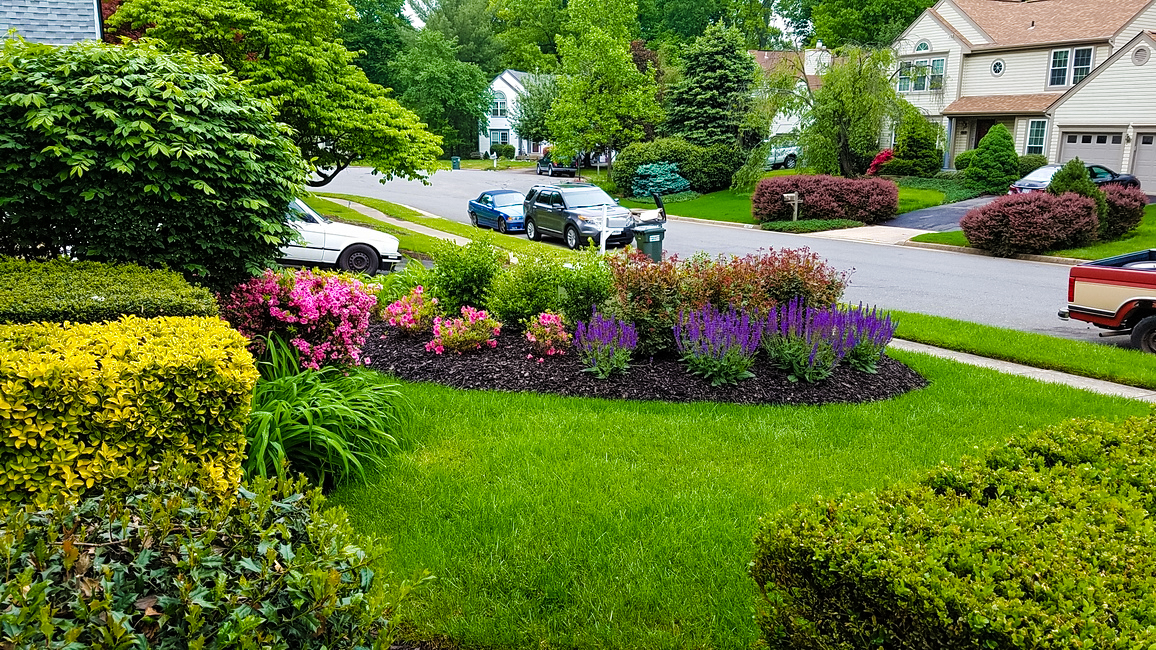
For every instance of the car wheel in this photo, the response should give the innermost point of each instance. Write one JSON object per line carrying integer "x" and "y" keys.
{"x": 572, "y": 238}
{"x": 538, "y": 169}
{"x": 502, "y": 226}
{"x": 550, "y": 170}
{"x": 359, "y": 258}
{"x": 474, "y": 219}
{"x": 1144, "y": 334}
{"x": 532, "y": 231}
{"x": 789, "y": 163}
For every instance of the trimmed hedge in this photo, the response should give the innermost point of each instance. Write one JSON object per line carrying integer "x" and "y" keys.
{"x": 811, "y": 225}
{"x": 84, "y": 405}
{"x": 1036, "y": 222}
{"x": 89, "y": 292}
{"x": 1046, "y": 542}
{"x": 1125, "y": 211}
{"x": 869, "y": 200}
{"x": 168, "y": 567}
{"x": 1029, "y": 162}
{"x": 708, "y": 169}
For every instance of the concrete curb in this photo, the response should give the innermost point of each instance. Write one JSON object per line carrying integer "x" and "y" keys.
{"x": 1047, "y": 259}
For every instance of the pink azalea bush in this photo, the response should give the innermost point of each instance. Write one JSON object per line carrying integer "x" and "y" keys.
{"x": 547, "y": 334}
{"x": 324, "y": 316}
{"x": 414, "y": 313}
{"x": 880, "y": 159}
{"x": 472, "y": 331}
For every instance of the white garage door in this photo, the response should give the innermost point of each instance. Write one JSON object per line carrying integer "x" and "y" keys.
{"x": 1105, "y": 149}
{"x": 1144, "y": 161}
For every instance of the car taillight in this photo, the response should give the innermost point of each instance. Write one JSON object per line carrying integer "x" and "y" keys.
{"x": 1071, "y": 288}
{"x": 1012, "y": 189}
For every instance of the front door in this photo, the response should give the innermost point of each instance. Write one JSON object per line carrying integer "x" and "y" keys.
{"x": 981, "y": 128}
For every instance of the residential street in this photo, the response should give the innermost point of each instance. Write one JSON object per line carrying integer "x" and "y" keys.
{"x": 1006, "y": 293}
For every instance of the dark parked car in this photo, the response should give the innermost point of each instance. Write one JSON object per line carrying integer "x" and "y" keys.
{"x": 1038, "y": 180}
{"x": 549, "y": 165}
{"x": 573, "y": 211}
{"x": 498, "y": 209}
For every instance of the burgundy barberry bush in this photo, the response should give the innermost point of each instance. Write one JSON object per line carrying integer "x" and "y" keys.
{"x": 1125, "y": 210}
{"x": 870, "y": 200}
{"x": 324, "y": 316}
{"x": 1031, "y": 223}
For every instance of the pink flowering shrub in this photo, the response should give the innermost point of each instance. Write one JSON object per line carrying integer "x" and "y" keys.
{"x": 414, "y": 313}
{"x": 547, "y": 334}
{"x": 869, "y": 200}
{"x": 880, "y": 158}
{"x": 324, "y": 316}
{"x": 472, "y": 331}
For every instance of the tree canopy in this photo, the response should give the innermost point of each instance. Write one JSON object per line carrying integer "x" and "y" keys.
{"x": 708, "y": 106}
{"x": 530, "y": 113}
{"x": 291, "y": 53}
{"x": 471, "y": 25}
{"x": 868, "y": 23}
{"x": 378, "y": 32}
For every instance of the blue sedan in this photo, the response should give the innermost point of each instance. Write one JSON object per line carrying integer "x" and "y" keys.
{"x": 498, "y": 209}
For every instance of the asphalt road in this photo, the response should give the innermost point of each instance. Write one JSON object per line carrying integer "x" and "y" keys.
{"x": 1006, "y": 293}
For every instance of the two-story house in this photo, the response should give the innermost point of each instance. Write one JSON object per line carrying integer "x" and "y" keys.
{"x": 53, "y": 22}
{"x": 506, "y": 88}
{"x": 1067, "y": 77}
{"x": 806, "y": 65}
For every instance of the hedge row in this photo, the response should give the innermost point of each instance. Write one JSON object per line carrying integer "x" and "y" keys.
{"x": 869, "y": 200}
{"x": 708, "y": 169}
{"x": 83, "y": 405}
{"x": 1046, "y": 542}
{"x": 88, "y": 292}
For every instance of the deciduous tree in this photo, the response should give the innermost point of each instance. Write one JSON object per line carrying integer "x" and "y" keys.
{"x": 471, "y": 24}
{"x": 530, "y": 113}
{"x": 528, "y": 30}
{"x": 867, "y": 23}
{"x": 378, "y": 31}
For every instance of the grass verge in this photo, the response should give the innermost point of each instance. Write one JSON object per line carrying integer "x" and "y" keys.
{"x": 409, "y": 243}
{"x": 513, "y": 243}
{"x": 1144, "y": 236}
{"x": 811, "y": 225}
{"x": 1107, "y": 362}
{"x": 581, "y": 523}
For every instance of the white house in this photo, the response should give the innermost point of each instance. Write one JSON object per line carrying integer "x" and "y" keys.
{"x": 506, "y": 88}
{"x": 53, "y": 22}
{"x": 1067, "y": 77}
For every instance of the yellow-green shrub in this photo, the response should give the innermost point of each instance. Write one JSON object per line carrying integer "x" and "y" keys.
{"x": 87, "y": 405}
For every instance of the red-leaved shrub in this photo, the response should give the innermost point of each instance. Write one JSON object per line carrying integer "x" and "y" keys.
{"x": 1125, "y": 210}
{"x": 651, "y": 294}
{"x": 880, "y": 158}
{"x": 1031, "y": 223}
{"x": 869, "y": 200}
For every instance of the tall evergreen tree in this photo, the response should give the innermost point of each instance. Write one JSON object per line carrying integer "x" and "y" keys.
{"x": 996, "y": 164}
{"x": 379, "y": 32}
{"x": 708, "y": 105}
{"x": 471, "y": 24}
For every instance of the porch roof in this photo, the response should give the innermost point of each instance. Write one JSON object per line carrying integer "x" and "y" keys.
{"x": 1001, "y": 104}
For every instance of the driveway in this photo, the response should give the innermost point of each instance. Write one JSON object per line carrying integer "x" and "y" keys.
{"x": 940, "y": 218}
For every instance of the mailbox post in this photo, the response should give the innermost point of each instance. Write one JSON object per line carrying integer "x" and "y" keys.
{"x": 793, "y": 199}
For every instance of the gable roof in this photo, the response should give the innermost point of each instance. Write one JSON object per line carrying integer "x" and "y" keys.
{"x": 53, "y": 22}
{"x": 1002, "y": 104}
{"x": 1011, "y": 23}
{"x": 772, "y": 60}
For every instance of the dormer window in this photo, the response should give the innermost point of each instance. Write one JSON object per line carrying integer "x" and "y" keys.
{"x": 498, "y": 106}
{"x": 923, "y": 46}
{"x": 1075, "y": 64}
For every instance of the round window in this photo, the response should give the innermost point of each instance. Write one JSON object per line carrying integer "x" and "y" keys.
{"x": 997, "y": 67}
{"x": 923, "y": 46}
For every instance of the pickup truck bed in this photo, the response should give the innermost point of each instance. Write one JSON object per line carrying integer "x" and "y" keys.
{"x": 1117, "y": 294}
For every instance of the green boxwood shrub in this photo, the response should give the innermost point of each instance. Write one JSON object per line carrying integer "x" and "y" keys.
{"x": 964, "y": 159}
{"x": 658, "y": 178}
{"x": 89, "y": 292}
{"x": 996, "y": 164}
{"x": 708, "y": 169}
{"x": 1045, "y": 542}
{"x": 502, "y": 150}
{"x": 542, "y": 283}
{"x": 1029, "y": 162}
{"x": 1074, "y": 177}
{"x": 168, "y": 566}
{"x": 462, "y": 274}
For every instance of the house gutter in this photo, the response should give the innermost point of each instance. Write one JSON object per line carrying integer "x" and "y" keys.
{"x": 981, "y": 49}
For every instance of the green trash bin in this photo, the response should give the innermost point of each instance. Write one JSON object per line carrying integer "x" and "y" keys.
{"x": 455, "y": 162}
{"x": 648, "y": 237}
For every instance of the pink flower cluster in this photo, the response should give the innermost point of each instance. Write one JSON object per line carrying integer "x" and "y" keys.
{"x": 475, "y": 329}
{"x": 547, "y": 334}
{"x": 323, "y": 315}
{"x": 414, "y": 313}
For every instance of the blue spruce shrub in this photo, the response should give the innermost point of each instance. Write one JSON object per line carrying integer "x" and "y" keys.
{"x": 660, "y": 178}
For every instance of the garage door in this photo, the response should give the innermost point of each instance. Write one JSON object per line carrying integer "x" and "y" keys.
{"x": 1105, "y": 149}
{"x": 1144, "y": 161}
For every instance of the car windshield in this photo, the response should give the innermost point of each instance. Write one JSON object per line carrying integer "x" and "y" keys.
{"x": 1042, "y": 174}
{"x": 508, "y": 198}
{"x": 587, "y": 197}
{"x": 299, "y": 211}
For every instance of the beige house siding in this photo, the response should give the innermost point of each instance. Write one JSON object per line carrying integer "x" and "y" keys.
{"x": 1024, "y": 72}
{"x": 943, "y": 45}
{"x": 956, "y": 19}
{"x": 1144, "y": 21}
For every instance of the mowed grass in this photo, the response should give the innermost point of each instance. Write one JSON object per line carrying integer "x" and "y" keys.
{"x": 1144, "y": 236}
{"x": 911, "y": 199}
{"x": 1099, "y": 361}
{"x": 409, "y": 242}
{"x": 578, "y": 523}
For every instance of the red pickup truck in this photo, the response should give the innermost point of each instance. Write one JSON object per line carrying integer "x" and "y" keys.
{"x": 1117, "y": 294}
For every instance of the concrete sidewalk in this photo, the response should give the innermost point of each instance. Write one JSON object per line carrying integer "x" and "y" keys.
{"x": 1050, "y": 376}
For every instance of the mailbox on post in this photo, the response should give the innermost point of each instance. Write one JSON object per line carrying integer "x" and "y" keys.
{"x": 793, "y": 199}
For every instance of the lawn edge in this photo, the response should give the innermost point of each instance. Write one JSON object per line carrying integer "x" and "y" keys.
{"x": 1048, "y": 259}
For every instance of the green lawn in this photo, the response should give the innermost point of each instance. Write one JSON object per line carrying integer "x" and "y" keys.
{"x": 409, "y": 242}
{"x": 471, "y": 163}
{"x": 1144, "y": 236}
{"x": 735, "y": 207}
{"x": 580, "y": 523}
{"x": 1099, "y": 361}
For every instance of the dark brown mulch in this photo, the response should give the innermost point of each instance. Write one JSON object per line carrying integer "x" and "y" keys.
{"x": 507, "y": 367}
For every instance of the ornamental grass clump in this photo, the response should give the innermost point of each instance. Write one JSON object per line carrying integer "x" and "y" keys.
{"x": 718, "y": 346}
{"x": 605, "y": 344}
{"x": 547, "y": 334}
{"x": 474, "y": 330}
{"x": 414, "y": 313}
{"x": 325, "y": 316}
{"x": 808, "y": 343}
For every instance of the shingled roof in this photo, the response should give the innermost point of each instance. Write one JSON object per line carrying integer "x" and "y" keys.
{"x": 771, "y": 60}
{"x": 54, "y": 22}
{"x": 1001, "y": 104}
{"x": 1011, "y": 23}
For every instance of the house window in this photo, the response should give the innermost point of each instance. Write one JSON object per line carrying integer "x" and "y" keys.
{"x": 936, "y": 81}
{"x": 1036, "y": 132}
{"x": 921, "y": 75}
{"x": 923, "y": 46}
{"x": 1101, "y": 139}
{"x": 919, "y": 79}
{"x": 535, "y": 147}
{"x": 1116, "y": 139}
{"x": 499, "y": 136}
{"x": 498, "y": 106}
{"x": 1059, "y": 75}
{"x": 904, "y": 76}
{"x": 1081, "y": 63}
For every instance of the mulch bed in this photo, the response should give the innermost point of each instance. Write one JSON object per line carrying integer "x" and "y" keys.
{"x": 507, "y": 368}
